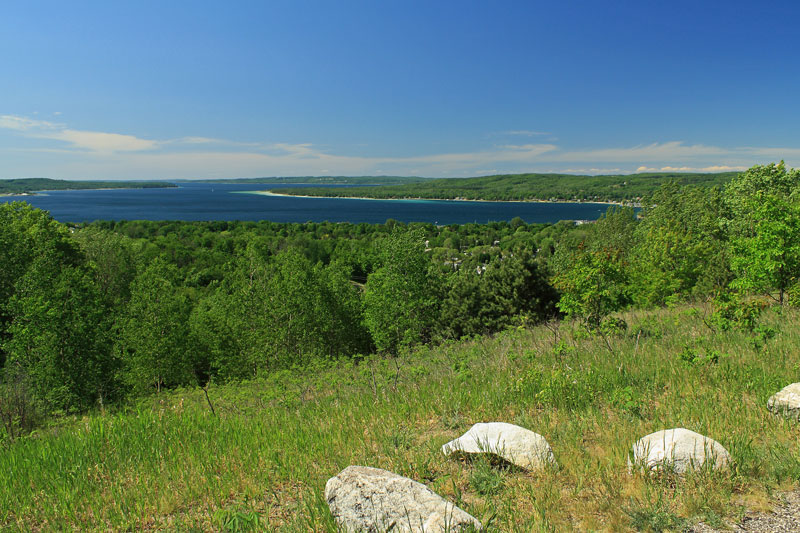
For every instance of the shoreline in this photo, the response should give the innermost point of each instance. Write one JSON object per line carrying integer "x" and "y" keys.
{"x": 624, "y": 204}
{"x": 36, "y": 193}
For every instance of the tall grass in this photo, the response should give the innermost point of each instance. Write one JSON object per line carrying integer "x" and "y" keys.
{"x": 262, "y": 461}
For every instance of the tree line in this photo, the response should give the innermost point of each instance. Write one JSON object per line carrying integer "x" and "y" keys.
{"x": 521, "y": 187}
{"x": 96, "y": 314}
{"x": 30, "y": 185}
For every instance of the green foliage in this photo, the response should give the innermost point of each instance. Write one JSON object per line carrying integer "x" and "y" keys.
{"x": 488, "y": 298}
{"x": 56, "y": 322}
{"x": 593, "y": 286}
{"x": 278, "y": 312}
{"x": 680, "y": 247}
{"x": 237, "y": 519}
{"x": 25, "y": 234}
{"x": 765, "y": 228}
{"x": 28, "y": 185}
{"x": 485, "y": 478}
{"x": 400, "y": 297}
{"x": 525, "y": 187}
{"x": 655, "y": 515}
{"x": 19, "y": 409}
{"x": 613, "y": 326}
{"x": 614, "y": 230}
{"x": 154, "y": 341}
{"x": 561, "y": 387}
{"x": 733, "y": 310}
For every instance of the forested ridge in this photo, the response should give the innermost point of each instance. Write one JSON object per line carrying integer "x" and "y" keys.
{"x": 527, "y": 187}
{"x": 30, "y": 185}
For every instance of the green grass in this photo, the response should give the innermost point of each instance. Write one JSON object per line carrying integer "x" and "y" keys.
{"x": 262, "y": 463}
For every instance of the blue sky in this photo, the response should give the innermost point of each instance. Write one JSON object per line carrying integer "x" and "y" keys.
{"x": 201, "y": 89}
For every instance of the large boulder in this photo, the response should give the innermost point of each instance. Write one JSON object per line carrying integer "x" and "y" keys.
{"x": 517, "y": 445}
{"x": 679, "y": 450}
{"x": 786, "y": 402}
{"x": 374, "y": 501}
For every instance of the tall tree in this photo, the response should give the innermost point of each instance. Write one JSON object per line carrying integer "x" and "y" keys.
{"x": 593, "y": 285}
{"x": 680, "y": 247}
{"x": 57, "y": 321}
{"x": 154, "y": 341}
{"x": 25, "y": 234}
{"x": 400, "y": 297}
{"x": 765, "y": 228}
{"x": 490, "y": 297}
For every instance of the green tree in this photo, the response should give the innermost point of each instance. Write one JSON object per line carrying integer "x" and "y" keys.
{"x": 25, "y": 234}
{"x": 59, "y": 335}
{"x": 594, "y": 285}
{"x": 680, "y": 247}
{"x": 485, "y": 300}
{"x": 400, "y": 297}
{"x": 154, "y": 340}
{"x": 278, "y": 312}
{"x": 765, "y": 228}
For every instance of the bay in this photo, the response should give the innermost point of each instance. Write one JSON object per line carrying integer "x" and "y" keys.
{"x": 230, "y": 201}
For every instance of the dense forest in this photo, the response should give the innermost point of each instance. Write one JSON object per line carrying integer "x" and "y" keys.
{"x": 96, "y": 314}
{"x": 519, "y": 187}
{"x": 29, "y": 185}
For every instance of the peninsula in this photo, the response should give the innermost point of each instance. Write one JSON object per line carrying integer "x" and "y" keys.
{"x": 523, "y": 187}
{"x": 26, "y": 186}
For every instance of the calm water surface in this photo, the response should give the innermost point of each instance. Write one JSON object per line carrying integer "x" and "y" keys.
{"x": 215, "y": 201}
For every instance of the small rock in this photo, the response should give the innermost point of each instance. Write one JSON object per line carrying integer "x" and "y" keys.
{"x": 374, "y": 501}
{"x": 678, "y": 449}
{"x": 517, "y": 445}
{"x": 786, "y": 402}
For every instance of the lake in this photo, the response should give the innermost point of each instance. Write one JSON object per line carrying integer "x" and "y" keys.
{"x": 216, "y": 201}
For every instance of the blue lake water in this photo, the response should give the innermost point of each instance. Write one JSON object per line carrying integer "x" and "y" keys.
{"x": 215, "y": 201}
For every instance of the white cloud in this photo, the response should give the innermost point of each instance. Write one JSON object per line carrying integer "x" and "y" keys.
{"x": 76, "y": 153}
{"x": 712, "y": 168}
{"x": 13, "y": 122}
{"x": 97, "y": 141}
{"x": 93, "y": 141}
{"x": 525, "y": 133}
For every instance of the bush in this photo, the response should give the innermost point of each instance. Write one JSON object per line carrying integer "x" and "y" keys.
{"x": 19, "y": 413}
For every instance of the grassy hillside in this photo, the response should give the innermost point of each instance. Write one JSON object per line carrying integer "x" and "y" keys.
{"x": 264, "y": 458}
{"x": 29, "y": 185}
{"x": 622, "y": 187}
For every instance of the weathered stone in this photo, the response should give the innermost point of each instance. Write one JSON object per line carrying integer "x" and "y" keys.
{"x": 679, "y": 450}
{"x": 514, "y": 444}
{"x": 375, "y": 501}
{"x": 786, "y": 402}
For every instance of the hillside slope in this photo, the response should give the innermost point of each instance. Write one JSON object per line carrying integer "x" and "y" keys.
{"x": 263, "y": 458}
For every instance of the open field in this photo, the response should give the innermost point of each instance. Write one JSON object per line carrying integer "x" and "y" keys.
{"x": 265, "y": 456}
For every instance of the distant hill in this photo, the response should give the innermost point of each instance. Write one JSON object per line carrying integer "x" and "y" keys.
{"x": 511, "y": 187}
{"x": 31, "y": 185}
{"x": 326, "y": 180}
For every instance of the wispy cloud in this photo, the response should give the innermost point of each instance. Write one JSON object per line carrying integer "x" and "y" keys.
{"x": 92, "y": 141}
{"x": 70, "y": 153}
{"x": 522, "y": 133}
{"x": 712, "y": 168}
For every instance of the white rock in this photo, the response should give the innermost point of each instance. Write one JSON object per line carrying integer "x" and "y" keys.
{"x": 786, "y": 401}
{"x": 516, "y": 445}
{"x": 678, "y": 449}
{"x": 374, "y": 501}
